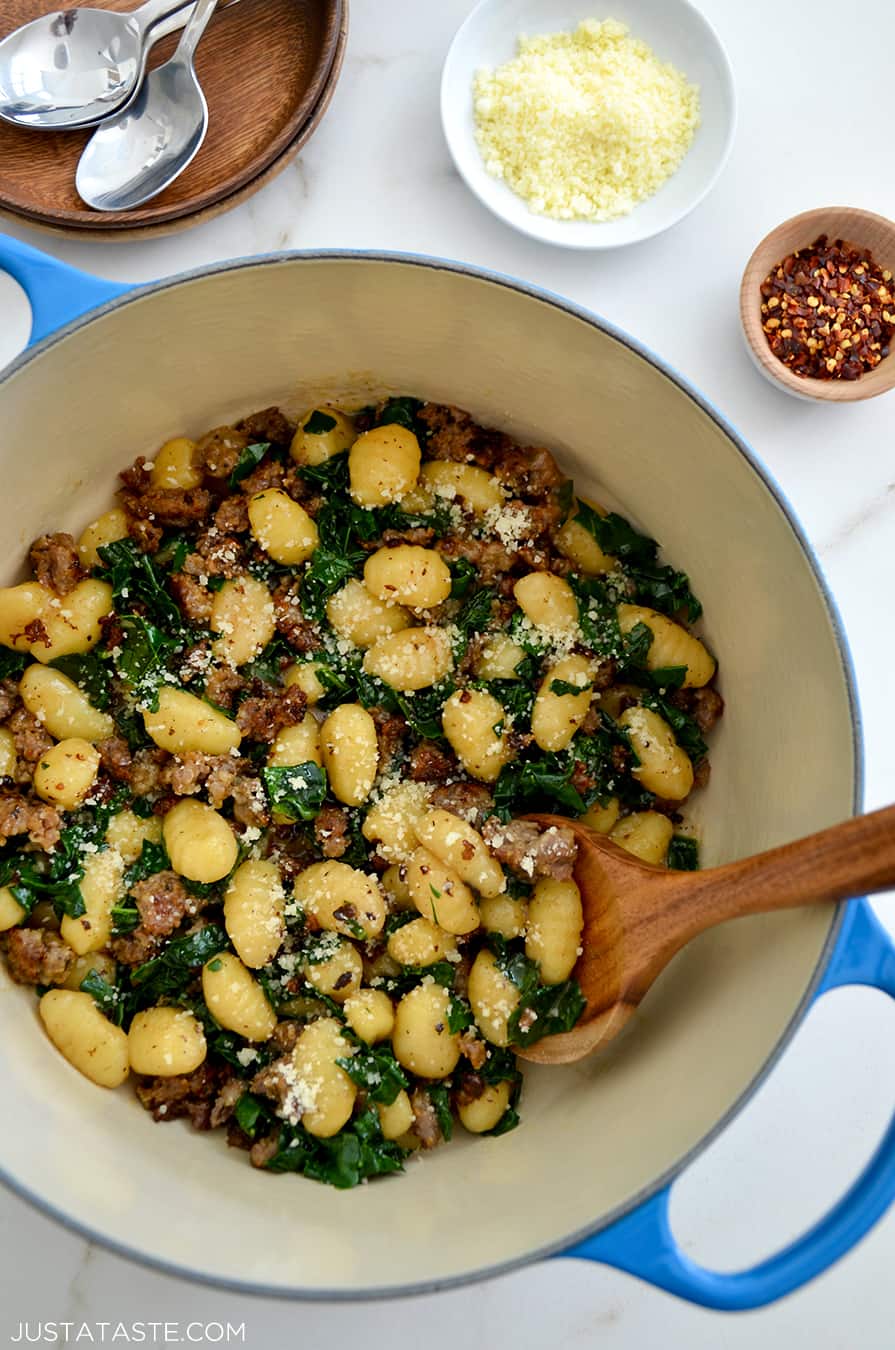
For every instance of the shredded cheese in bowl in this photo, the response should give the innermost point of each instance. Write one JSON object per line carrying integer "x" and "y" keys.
{"x": 584, "y": 125}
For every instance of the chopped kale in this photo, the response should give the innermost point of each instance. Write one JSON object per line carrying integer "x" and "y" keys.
{"x": 657, "y": 585}
{"x": 565, "y": 498}
{"x": 106, "y": 996}
{"x": 11, "y": 663}
{"x": 543, "y": 1009}
{"x": 250, "y": 1114}
{"x": 153, "y": 858}
{"x": 297, "y": 791}
{"x": 319, "y": 423}
{"x": 125, "y": 918}
{"x": 463, "y": 575}
{"x": 268, "y": 664}
{"x": 516, "y": 696}
{"x": 357, "y": 1152}
{"x": 145, "y": 658}
{"x": 542, "y": 782}
{"x": 636, "y": 645}
{"x": 332, "y": 564}
{"x": 683, "y": 853}
{"x": 137, "y": 581}
{"x": 597, "y": 616}
{"x": 422, "y": 710}
{"x": 57, "y": 876}
{"x": 440, "y": 1098}
{"x": 90, "y": 672}
{"x": 459, "y": 1014}
{"x": 375, "y": 1069}
{"x": 168, "y": 974}
{"x": 248, "y": 461}
{"x": 474, "y": 614}
{"x": 563, "y": 687}
{"x": 402, "y": 412}
{"x": 685, "y": 728}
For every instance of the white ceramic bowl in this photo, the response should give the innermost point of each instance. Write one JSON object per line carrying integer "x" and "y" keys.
{"x": 600, "y": 1138}
{"x": 675, "y": 30}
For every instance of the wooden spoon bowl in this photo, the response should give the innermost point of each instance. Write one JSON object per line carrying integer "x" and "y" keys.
{"x": 637, "y": 917}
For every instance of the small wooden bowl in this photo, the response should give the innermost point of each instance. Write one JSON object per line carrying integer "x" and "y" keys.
{"x": 861, "y": 229}
{"x": 268, "y": 68}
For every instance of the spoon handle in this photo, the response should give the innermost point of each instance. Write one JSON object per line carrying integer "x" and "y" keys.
{"x": 175, "y": 20}
{"x": 196, "y": 25}
{"x": 854, "y": 858}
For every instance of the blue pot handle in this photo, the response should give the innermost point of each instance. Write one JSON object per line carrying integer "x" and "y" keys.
{"x": 643, "y": 1244}
{"x": 57, "y": 293}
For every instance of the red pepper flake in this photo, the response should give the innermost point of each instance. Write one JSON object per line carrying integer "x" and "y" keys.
{"x": 828, "y": 311}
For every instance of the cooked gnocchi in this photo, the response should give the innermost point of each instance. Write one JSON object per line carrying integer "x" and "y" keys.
{"x": 269, "y": 731}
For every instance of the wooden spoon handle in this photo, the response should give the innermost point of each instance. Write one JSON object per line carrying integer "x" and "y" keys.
{"x": 854, "y": 858}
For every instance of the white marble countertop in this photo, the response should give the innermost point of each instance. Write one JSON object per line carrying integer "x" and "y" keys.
{"x": 812, "y": 81}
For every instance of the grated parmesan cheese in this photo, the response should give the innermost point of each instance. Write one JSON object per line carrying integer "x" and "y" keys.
{"x": 584, "y": 125}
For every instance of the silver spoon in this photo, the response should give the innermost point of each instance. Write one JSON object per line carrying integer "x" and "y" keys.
{"x": 134, "y": 156}
{"x": 73, "y": 68}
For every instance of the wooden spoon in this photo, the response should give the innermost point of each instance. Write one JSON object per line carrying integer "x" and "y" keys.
{"x": 637, "y": 916}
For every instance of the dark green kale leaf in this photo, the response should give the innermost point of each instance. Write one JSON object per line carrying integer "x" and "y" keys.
{"x": 657, "y": 585}
{"x": 540, "y": 783}
{"x": 459, "y": 1014}
{"x": 597, "y": 616}
{"x": 125, "y": 918}
{"x": 248, "y": 461}
{"x": 153, "y": 858}
{"x": 474, "y": 616}
{"x": 565, "y": 498}
{"x": 57, "y": 876}
{"x": 319, "y": 423}
{"x": 463, "y": 575}
{"x": 357, "y": 1152}
{"x": 174, "y": 551}
{"x": 683, "y": 853}
{"x": 146, "y": 658}
{"x": 437, "y": 518}
{"x": 440, "y": 1098}
{"x": 543, "y": 1009}
{"x": 107, "y": 997}
{"x": 375, "y": 1069}
{"x": 268, "y": 664}
{"x": 90, "y": 672}
{"x": 403, "y": 412}
{"x": 442, "y": 972}
{"x": 500, "y": 1067}
{"x": 136, "y": 580}
{"x": 11, "y": 663}
{"x": 168, "y": 974}
{"x": 251, "y": 1114}
{"x": 564, "y": 687}
{"x": 296, "y": 791}
{"x": 636, "y": 646}
{"x": 685, "y": 728}
{"x": 667, "y": 677}
{"x": 517, "y": 696}
{"x": 422, "y": 710}
{"x": 337, "y": 558}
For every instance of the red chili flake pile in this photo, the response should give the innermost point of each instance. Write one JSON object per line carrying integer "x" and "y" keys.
{"x": 828, "y": 311}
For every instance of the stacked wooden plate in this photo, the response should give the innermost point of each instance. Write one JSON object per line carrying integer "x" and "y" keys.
{"x": 268, "y": 68}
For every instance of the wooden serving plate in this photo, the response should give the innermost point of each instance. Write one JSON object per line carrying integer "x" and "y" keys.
{"x": 268, "y": 69}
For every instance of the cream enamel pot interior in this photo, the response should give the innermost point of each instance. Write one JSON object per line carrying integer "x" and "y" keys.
{"x": 187, "y": 354}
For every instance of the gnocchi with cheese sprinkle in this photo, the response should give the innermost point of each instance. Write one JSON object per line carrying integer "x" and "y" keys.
{"x": 271, "y": 732}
